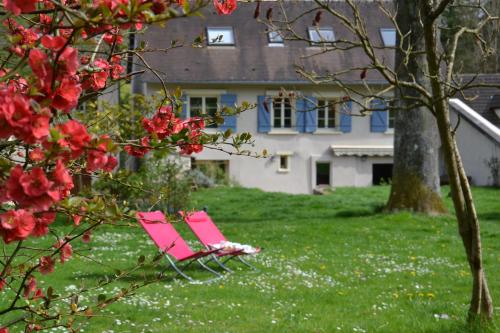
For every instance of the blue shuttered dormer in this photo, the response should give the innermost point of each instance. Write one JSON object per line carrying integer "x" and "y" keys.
{"x": 228, "y": 100}
{"x": 263, "y": 114}
{"x": 345, "y": 117}
{"x": 379, "y": 116}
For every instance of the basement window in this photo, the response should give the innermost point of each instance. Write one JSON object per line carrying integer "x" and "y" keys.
{"x": 220, "y": 36}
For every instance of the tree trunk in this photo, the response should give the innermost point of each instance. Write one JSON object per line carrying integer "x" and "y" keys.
{"x": 481, "y": 306}
{"x": 415, "y": 180}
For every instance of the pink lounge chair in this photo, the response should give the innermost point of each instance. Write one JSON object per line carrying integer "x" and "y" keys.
{"x": 171, "y": 244}
{"x": 208, "y": 234}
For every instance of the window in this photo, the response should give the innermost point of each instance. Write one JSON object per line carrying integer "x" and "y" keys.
{"x": 275, "y": 38}
{"x": 327, "y": 114}
{"x": 322, "y": 173}
{"x": 203, "y": 107}
{"x": 284, "y": 161}
{"x": 390, "y": 119}
{"x": 319, "y": 36}
{"x": 388, "y": 36}
{"x": 282, "y": 113}
{"x": 220, "y": 36}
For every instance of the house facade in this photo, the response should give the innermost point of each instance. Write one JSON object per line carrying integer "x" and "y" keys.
{"x": 315, "y": 136}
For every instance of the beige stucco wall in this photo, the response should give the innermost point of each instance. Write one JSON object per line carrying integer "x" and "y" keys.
{"x": 306, "y": 150}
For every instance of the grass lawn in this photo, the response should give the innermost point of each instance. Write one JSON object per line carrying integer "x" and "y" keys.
{"x": 330, "y": 263}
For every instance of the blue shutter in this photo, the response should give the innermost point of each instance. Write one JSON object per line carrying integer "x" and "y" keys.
{"x": 378, "y": 119}
{"x": 311, "y": 114}
{"x": 184, "y": 99}
{"x": 263, "y": 114}
{"x": 228, "y": 100}
{"x": 345, "y": 117}
{"x": 300, "y": 115}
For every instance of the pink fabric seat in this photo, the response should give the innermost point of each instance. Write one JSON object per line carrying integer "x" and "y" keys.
{"x": 208, "y": 234}
{"x": 166, "y": 237}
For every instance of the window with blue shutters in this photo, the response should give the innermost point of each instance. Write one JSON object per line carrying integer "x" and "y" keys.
{"x": 379, "y": 118}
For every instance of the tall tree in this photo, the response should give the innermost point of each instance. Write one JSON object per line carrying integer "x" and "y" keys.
{"x": 415, "y": 181}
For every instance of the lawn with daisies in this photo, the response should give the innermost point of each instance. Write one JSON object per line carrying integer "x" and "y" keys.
{"x": 332, "y": 263}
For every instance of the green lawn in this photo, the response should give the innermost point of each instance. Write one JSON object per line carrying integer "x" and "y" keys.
{"x": 330, "y": 263}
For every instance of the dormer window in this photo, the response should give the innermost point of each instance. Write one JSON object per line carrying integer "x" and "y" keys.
{"x": 275, "y": 39}
{"x": 321, "y": 36}
{"x": 220, "y": 36}
{"x": 388, "y": 36}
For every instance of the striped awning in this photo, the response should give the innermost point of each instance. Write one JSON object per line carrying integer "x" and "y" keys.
{"x": 362, "y": 150}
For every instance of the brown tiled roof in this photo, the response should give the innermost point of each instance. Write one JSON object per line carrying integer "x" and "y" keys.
{"x": 251, "y": 60}
{"x": 485, "y": 99}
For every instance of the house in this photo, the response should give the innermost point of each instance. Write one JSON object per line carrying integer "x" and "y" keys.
{"x": 477, "y": 113}
{"x": 239, "y": 60}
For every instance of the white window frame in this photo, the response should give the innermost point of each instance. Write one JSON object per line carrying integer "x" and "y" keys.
{"x": 274, "y": 43}
{"x": 320, "y": 41}
{"x": 330, "y": 103}
{"x": 203, "y": 105}
{"x": 228, "y": 29}
{"x": 282, "y": 114}
{"x": 286, "y": 156}
{"x": 388, "y": 41}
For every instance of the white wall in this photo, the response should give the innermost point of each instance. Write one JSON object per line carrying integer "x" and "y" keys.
{"x": 475, "y": 149}
{"x": 306, "y": 148}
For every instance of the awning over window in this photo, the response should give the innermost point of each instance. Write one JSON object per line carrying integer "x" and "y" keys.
{"x": 362, "y": 150}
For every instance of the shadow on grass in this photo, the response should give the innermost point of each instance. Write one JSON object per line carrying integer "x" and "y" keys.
{"x": 150, "y": 273}
{"x": 490, "y": 216}
{"x": 361, "y": 211}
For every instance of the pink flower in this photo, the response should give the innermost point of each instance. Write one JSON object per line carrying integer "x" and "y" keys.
{"x": 2, "y": 285}
{"x": 35, "y": 183}
{"x": 76, "y": 137}
{"x": 29, "y": 287}
{"x": 20, "y": 6}
{"x": 67, "y": 94}
{"x": 54, "y": 43}
{"x": 225, "y": 7}
{"x": 37, "y": 155}
{"x": 65, "y": 250}
{"x": 41, "y": 67}
{"x": 69, "y": 61}
{"x": 46, "y": 265}
{"x": 16, "y": 225}
{"x": 86, "y": 237}
{"x": 43, "y": 220}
